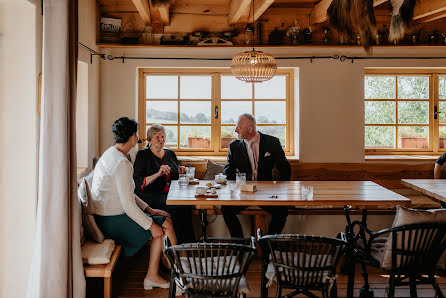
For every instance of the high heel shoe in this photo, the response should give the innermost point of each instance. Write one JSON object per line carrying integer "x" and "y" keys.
{"x": 149, "y": 285}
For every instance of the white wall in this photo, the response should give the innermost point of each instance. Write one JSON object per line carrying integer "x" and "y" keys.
{"x": 18, "y": 133}
{"x": 329, "y": 106}
{"x": 87, "y": 36}
{"x": 82, "y": 115}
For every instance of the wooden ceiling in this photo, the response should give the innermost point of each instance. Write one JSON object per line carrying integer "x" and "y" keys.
{"x": 187, "y": 16}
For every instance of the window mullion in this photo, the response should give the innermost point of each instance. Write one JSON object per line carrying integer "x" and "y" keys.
{"x": 434, "y": 123}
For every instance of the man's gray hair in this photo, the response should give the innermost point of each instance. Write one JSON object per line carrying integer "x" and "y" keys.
{"x": 250, "y": 118}
{"x": 153, "y": 130}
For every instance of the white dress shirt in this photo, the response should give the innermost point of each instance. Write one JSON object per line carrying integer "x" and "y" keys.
{"x": 113, "y": 187}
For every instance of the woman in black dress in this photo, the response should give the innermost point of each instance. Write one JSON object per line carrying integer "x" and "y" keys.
{"x": 155, "y": 167}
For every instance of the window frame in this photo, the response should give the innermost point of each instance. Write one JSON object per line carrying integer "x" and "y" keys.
{"x": 433, "y": 124}
{"x": 216, "y": 102}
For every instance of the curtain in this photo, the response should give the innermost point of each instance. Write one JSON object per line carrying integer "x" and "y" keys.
{"x": 56, "y": 269}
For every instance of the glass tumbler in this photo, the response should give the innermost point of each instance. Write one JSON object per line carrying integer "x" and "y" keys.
{"x": 190, "y": 173}
{"x": 307, "y": 192}
{"x": 182, "y": 180}
{"x": 240, "y": 179}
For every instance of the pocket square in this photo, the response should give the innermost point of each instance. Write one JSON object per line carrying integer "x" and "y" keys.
{"x": 267, "y": 154}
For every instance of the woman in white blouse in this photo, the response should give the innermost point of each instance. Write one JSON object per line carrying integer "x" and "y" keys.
{"x": 119, "y": 213}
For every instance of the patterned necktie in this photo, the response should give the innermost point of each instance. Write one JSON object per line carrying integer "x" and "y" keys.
{"x": 252, "y": 160}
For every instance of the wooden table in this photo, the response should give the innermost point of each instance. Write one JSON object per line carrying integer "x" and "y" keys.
{"x": 325, "y": 194}
{"x": 362, "y": 194}
{"x": 433, "y": 188}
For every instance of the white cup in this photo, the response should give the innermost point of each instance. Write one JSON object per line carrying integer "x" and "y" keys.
{"x": 200, "y": 190}
{"x": 307, "y": 192}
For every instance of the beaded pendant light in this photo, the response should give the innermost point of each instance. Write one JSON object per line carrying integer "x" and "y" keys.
{"x": 253, "y": 66}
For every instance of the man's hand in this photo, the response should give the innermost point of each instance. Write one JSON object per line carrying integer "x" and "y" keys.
{"x": 159, "y": 212}
{"x": 157, "y": 231}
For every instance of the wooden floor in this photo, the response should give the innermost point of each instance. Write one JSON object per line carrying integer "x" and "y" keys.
{"x": 129, "y": 275}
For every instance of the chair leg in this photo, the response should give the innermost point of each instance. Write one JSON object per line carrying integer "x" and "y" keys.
{"x": 351, "y": 279}
{"x": 436, "y": 287}
{"x": 172, "y": 285}
{"x": 279, "y": 292}
{"x": 413, "y": 286}
{"x": 365, "y": 291}
{"x": 263, "y": 288}
{"x": 334, "y": 290}
{"x": 391, "y": 286}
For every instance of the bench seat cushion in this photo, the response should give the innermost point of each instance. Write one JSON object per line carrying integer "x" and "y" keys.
{"x": 97, "y": 253}
{"x": 407, "y": 216}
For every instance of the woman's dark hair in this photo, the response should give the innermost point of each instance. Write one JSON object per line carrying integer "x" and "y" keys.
{"x": 123, "y": 129}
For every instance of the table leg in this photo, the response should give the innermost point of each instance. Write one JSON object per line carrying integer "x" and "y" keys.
{"x": 365, "y": 290}
{"x": 204, "y": 224}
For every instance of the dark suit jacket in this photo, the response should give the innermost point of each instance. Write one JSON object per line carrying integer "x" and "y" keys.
{"x": 238, "y": 160}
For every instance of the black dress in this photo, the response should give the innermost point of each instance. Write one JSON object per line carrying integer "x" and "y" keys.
{"x": 155, "y": 194}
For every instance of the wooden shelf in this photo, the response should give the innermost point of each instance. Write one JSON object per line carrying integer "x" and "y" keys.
{"x": 117, "y": 45}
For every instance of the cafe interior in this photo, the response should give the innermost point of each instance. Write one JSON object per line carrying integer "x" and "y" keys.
{"x": 314, "y": 128}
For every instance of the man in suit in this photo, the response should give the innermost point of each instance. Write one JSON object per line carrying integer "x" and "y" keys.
{"x": 255, "y": 154}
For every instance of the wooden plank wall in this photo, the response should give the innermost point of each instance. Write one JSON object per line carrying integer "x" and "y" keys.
{"x": 385, "y": 174}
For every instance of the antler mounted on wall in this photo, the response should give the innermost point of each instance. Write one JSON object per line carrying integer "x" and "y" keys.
{"x": 402, "y": 15}
{"x": 350, "y": 17}
{"x": 354, "y": 16}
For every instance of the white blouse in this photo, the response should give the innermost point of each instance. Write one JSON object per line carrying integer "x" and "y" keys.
{"x": 113, "y": 187}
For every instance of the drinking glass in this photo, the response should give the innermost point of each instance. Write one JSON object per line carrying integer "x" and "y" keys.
{"x": 235, "y": 191}
{"x": 307, "y": 192}
{"x": 182, "y": 180}
{"x": 240, "y": 179}
{"x": 190, "y": 173}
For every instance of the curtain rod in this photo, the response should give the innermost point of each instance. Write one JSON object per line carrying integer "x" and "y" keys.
{"x": 341, "y": 58}
{"x": 92, "y": 52}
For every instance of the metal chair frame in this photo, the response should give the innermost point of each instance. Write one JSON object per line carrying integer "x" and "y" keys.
{"x": 416, "y": 249}
{"x": 307, "y": 263}
{"x": 209, "y": 281}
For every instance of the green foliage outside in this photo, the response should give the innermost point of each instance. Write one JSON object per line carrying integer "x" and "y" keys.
{"x": 277, "y": 131}
{"x": 379, "y": 87}
{"x": 413, "y": 87}
{"x": 380, "y": 136}
{"x": 413, "y": 112}
{"x": 442, "y": 87}
{"x": 413, "y": 132}
{"x": 380, "y": 112}
{"x": 409, "y": 112}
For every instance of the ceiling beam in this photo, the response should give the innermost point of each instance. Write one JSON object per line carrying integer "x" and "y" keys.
{"x": 320, "y": 10}
{"x": 238, "y": 9}
{"x": 259, "y": 8}
{"x": 144, "y": 11}
{"x": 164, "y": 13}
{"x": 426, "y": 11}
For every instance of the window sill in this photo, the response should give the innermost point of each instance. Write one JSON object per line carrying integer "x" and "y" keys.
{"x": 401, "y": 158}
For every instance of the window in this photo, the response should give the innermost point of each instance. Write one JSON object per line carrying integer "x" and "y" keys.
{"x": 405, "y": 111}
{"x": 199, "y": 107}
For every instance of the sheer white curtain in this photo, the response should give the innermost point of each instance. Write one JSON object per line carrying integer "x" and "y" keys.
{"x": 56, "y": 270}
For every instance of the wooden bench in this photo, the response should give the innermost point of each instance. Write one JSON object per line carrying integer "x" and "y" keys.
{"x": 105, "y": 271}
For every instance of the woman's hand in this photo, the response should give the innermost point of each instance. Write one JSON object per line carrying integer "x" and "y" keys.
{"x": 159, "y": 212}
{"x": 164, "y": 170}
{"x": 156, "y": 230}
{"x": 181, "y": 169}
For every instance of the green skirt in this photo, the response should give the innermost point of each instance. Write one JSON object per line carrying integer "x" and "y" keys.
{"x": 125, "y": 231}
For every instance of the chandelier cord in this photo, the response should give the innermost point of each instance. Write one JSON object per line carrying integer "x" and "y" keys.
{"x": 253, "y": 28}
